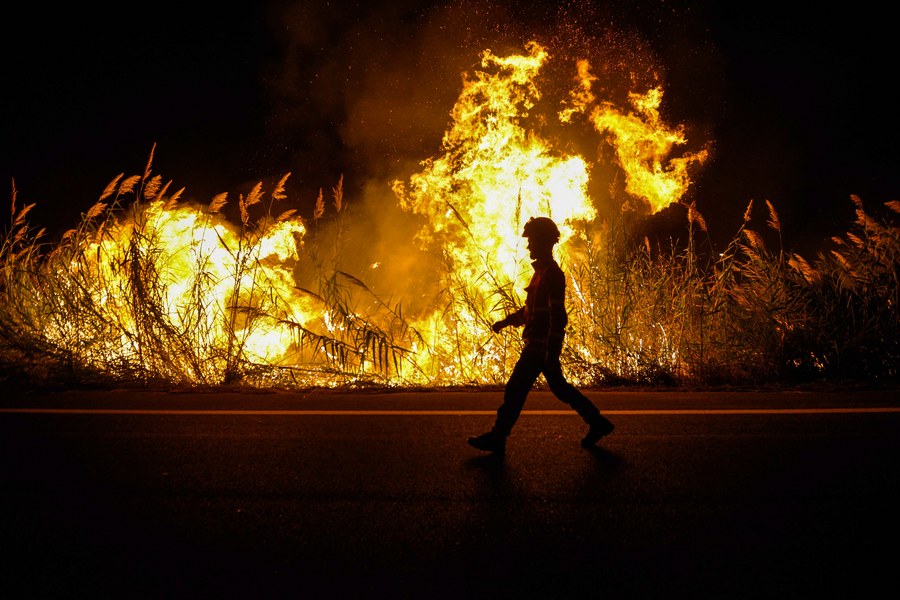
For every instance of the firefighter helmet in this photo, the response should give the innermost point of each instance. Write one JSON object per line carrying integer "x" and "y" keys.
{"x": 542, "y": 229}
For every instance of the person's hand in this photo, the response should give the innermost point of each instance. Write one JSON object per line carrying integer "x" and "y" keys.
{"x": 496, "y": 327}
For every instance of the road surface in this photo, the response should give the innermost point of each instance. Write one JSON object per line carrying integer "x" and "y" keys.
{"x": 377, "y": 495}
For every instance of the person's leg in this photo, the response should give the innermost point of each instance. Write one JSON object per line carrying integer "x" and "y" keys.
{"x": 527, "y": 368}
{"x": 524, "y": 374}
{"x": 568, "y": 393}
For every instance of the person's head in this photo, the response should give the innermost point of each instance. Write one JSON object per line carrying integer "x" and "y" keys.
{"x": 542, "y": 234}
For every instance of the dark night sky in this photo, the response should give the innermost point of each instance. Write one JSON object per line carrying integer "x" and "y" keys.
{"x": 799, "y": 107}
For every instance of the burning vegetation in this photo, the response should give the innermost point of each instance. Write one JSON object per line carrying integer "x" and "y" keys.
{"x": 151, "y": 289}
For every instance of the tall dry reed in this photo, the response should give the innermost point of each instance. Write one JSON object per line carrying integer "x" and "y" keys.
{"x": 99, "y": 306}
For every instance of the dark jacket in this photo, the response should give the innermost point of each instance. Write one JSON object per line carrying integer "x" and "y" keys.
{"x": 544, "y": 314}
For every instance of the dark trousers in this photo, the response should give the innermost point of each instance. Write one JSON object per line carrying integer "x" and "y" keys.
{"x": 534, "y": 361}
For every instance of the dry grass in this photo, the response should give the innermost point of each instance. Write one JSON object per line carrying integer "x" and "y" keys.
{"x": 96, "y": 307}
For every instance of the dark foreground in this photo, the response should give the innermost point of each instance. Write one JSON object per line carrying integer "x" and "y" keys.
{"x": 383, "y": 498}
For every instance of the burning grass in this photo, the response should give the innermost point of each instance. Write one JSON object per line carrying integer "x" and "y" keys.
{"x": 119, "y": 300}
{"x": 149, "y": 289}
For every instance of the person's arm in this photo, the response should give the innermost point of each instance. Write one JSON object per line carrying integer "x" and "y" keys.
{"x": 517, "y": 318}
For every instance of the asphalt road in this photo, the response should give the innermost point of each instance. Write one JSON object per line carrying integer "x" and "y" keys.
{"x": 324, "y": 495}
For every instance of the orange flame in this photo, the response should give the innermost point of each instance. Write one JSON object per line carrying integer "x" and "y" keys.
{"x": 199, "y": 260}
{"x": 496, "y": 172}
{"x": 231, "y": 291}
{"x": 641, "y": 141}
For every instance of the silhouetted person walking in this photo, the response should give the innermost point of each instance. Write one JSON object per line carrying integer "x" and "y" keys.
{"x": 544, "y": 320}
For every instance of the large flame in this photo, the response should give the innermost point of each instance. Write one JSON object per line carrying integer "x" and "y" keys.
{"x": 211, "y": 296}
{"x": 642, "y": 142}
{"x": 497, "y": 171}
{"x": 217, "y": 288}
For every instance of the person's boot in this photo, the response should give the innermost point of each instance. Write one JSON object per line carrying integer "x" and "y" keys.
{"x": 599, "y": 429}
{"x": 489, "y": 442}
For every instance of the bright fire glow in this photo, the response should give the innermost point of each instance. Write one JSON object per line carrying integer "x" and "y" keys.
{"x": 226, "y": 296}
{"x": 217, "y": 285}
{"x": 496, "y": 172}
